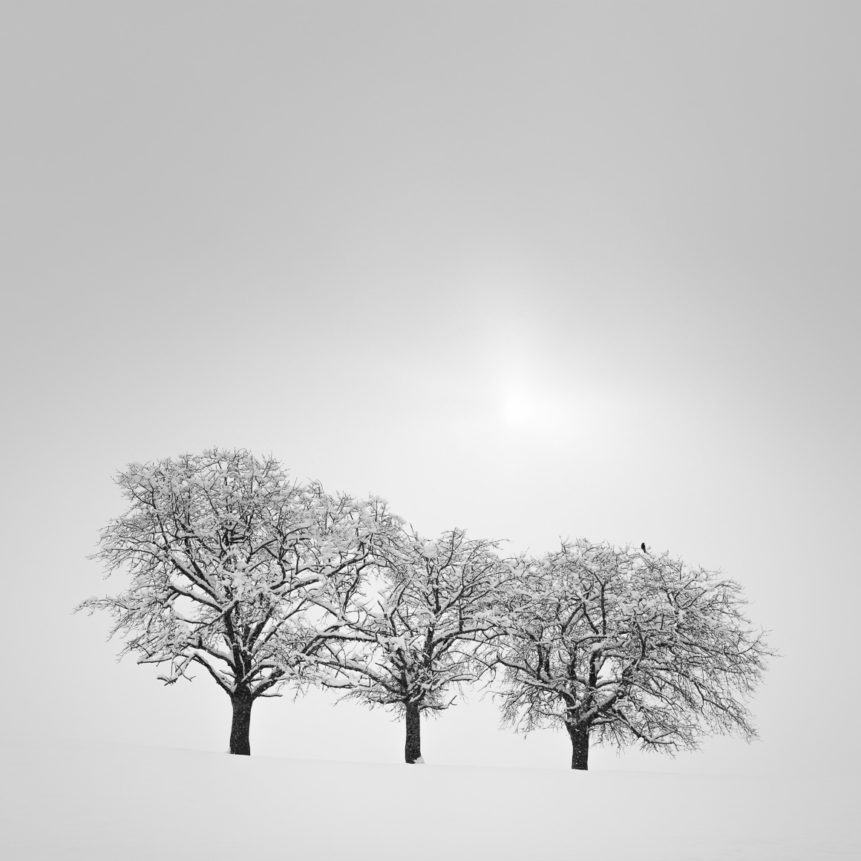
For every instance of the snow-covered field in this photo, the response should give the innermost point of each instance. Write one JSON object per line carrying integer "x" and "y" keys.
{"x": 94, "y": 803}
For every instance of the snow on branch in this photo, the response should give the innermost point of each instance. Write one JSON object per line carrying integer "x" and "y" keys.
{"x": 629, "y": 647}
{"x": 225, "y": 557}
{"x": 417, "y": 625}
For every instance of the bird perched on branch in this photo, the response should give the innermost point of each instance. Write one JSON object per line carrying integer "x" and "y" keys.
{"x": 643, "y": 547}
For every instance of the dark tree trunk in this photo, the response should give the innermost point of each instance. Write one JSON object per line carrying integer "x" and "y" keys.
{"x": 579, "y": 746}
{"x": 240, "y": 728}
{"x": 413, "y": 747}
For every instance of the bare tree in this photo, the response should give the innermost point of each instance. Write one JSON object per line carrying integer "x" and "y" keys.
{"x": 410, "y": 637}
{"x": 225, "y": 558}
{"x": 620, "y": 646}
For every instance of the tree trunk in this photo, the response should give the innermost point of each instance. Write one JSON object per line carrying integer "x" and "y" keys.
{"x": 413, "y": 747}
{"x": 240, "y": 728}
{"x": 579, "y": 746}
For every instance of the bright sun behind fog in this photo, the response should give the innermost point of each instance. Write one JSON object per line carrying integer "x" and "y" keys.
{"x": 518, "y": 409}
{"x": 538, "y": 412}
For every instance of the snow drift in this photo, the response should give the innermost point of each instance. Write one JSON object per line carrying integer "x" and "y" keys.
{"x": 93, "y": 803}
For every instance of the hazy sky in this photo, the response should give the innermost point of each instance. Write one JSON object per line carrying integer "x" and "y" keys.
{"x": 532, "y": 269}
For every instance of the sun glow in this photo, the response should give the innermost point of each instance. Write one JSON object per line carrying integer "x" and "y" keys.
{"x": 517, "y": 409}
{"x": 533, "y": 411}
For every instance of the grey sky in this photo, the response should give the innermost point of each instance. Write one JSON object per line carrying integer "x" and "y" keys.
{"x": 537, "y": 270}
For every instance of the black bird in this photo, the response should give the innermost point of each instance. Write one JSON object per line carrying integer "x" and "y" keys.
{"x": 643, "y": 547}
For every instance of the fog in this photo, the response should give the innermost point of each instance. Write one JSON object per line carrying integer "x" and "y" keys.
{"x": 538, "y": 271}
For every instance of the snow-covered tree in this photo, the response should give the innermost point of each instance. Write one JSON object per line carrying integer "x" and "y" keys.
{"x": 619, "y": 646}
{"x": 226, "y": 557}
{"x": 409, "y": 638}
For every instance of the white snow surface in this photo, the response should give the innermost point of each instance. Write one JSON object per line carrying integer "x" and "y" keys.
{"x": 94, "y": 803}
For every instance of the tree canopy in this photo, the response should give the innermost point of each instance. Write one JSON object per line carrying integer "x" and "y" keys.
{"x": 410, "y": 637}
{"x": 620, "y": 646}
{"x": 225, "y": 555}
{"x": 260, "y": 581}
